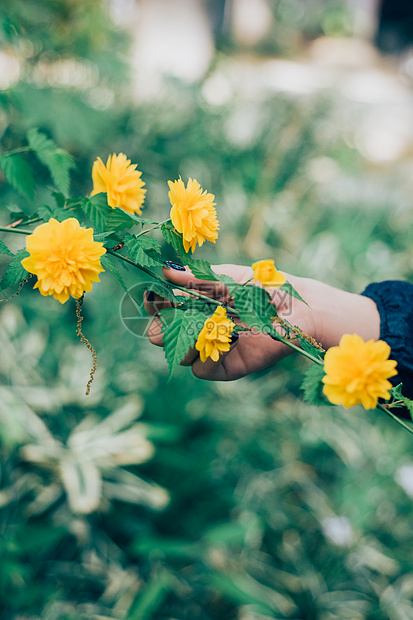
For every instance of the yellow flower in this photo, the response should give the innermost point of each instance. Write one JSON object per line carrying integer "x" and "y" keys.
{"x": 121, "y": 182}
{"x": 193, "y": 213}
{"x": 357, "y": 372}
{"x": 266, "y": 272}
{"x": 214, "y": 337}
{"x": 64, "y": 258}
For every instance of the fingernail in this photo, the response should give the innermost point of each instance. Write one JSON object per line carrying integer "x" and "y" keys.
{"x": 234, "y": 337}
{"x": 150, "y": 296}
{"x": 174, "y": 266}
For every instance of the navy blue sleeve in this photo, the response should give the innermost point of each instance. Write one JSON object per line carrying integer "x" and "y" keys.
{"x": 394, "y": 301}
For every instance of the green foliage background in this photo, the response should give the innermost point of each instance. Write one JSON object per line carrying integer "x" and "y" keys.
{"x": 187, "y": 500}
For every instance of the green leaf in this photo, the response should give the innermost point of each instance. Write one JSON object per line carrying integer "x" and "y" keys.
{"x": 226, "y": 280}
{"x": 167, "y": 316}
{"x": 396, "y": 393}
{"x": 15, "y": 272}
{"x": 143, "y": 250}
{"x": 162, "y": 290}
{"x": 46, "y": 212}
{"x": 97, "y": 210}
{"x": 4, "y": 249}
{"x": 119, "y": 220}
{"x": 102, "y": 236}
{"x": 60, "y": 199}
{"x": 180, "y": 334}
{"x": 288, "y": 288}
{"x": 57, "y": 160}
{"x": 255, "y": 307}
{"x": 108, "y": 265}
{"x": 174, "y": 238}
{"x": 19, "y": 174}
{"x": 193, "y": 303}
{"x": 202, "y": 269}
{"x": 313, "y": 386}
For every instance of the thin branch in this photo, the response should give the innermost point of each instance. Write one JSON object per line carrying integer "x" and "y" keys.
{"x": 397, "y": 419}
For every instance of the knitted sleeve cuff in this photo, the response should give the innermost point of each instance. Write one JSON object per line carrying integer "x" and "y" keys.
{"x": 394, "y": 301}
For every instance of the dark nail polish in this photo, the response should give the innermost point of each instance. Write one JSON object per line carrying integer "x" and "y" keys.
{"x": 150, "y": 296}
{"x": 174, "y": 266}
{"x": 234, "y": 337}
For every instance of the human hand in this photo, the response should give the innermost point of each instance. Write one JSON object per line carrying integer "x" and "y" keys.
{"x": 329, "y": 314}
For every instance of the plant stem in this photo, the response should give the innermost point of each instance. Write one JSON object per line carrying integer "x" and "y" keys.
{"x": 398, "y": 420}
{"x": 153, "y": 228}
{"x": 20, "y": 231}
{"x": 22, "y": 149}
{"x": 296, "y": 348}
{"x": 130, "y": 262}
{"x": 166, "y": 282}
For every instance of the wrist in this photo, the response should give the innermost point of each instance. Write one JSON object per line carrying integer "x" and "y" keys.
{"x": 338, "y": 312}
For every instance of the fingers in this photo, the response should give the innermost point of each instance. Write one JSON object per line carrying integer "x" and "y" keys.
{"x": 217, "y": 290}
{"x": 214, "y": 371}
{"x": 154, "y": 332}
{"x": 154, "y": 303}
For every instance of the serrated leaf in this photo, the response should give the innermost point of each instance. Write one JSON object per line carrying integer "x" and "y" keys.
{"x": 4, "y": 249}
{"x": 226, "y": 280}
{"x": 180, "y": 335}
{"x": 255, "y": 307}
{"x": 162, "y": 290}
{"x": 202, "y": 269}
{"x": 100, "y": 237}
{"x": 97, "y": 210}
{"x": 107, "y": 263}
{"x": 143, "y": 250}
{"x": 57, "y": 160}
{"x": 167, "y": 316}
{"x": 193, "y": 303}
{"x": 288, "y": 288}
{"x": 313, "y": 386}
{"x": 396, "y": 394}
{"x": 15, "y": 272}
{"x": 19, "y": 174}
{"x": 60, "y": 199}
{"x": 59, "y": 214}
{"x": 174, "y": 238}
{"x": 119, "y": 220}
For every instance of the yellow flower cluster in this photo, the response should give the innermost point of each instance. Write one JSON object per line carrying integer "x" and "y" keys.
{"x": 66, "y": 260}
{"x": 357, "y": 372}
{"x": 64, "y": 257}
{"x": 120, "y": 180}
{"x": 215, "y": 336}
{"x": 193, "y": 213}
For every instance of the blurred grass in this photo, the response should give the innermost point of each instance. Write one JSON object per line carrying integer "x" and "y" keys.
{"x": 188, "y": 500}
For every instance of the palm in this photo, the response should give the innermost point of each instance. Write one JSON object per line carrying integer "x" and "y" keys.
{"x": 254, "y": 351}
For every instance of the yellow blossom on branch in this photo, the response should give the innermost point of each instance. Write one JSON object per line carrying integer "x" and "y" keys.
{"x": 215, "y": 336}
{"x": 64, "y": 257}
{"x": 120, "y": 180}
{"x": 193, "y": 213}
{"x": 266, "y": 272}
{"x": 357, "y": 372}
